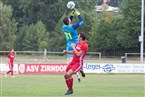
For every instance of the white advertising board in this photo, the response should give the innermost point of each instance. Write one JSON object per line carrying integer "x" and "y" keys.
{"x": 113, "y": 68}
{"x": 88, "y": 68}
{"x": 5, "y": 67}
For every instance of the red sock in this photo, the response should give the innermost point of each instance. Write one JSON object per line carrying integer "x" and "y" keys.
{"x": 8, "y": 72}
{"x": 71, "y": 83}
{"x": 12, "y": 72}
{"x": 67, "y": 83}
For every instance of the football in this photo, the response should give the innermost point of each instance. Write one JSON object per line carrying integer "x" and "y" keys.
{"x": 71, "y": 5}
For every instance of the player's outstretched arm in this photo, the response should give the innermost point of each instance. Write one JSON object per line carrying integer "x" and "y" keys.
{"x": 67, "y": 52}
{"x": 72, "y": 14}
{"x": 80, "y": 22}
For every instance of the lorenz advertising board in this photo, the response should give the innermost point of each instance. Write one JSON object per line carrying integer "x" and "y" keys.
{"x": 88, "y": 68}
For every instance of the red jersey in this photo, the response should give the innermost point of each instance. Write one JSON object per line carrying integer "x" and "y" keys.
{"x": 11, "y": 56}
{"x": 77, "y": 61}
{"x": 80, "y": 47}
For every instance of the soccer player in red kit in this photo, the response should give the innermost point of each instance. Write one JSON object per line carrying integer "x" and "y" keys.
{"x": 11, "y": 56}
{"x": 79, "y": 51}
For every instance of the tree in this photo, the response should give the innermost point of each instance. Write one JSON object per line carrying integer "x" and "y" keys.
{"x": 131, "y": 23}
{"x": 30, "y": 11}
{"x": 36, "y": 37}
{"x": 42, "y": 34}
{"x": 8, "y": 28}
{"x": 105, "y": 31}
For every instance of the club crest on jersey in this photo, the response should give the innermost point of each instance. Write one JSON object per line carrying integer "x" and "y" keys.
{"x": 12, "y": 56}
{"x": 78, "y": 48}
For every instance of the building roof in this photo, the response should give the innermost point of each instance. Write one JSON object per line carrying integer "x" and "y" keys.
{"x": 100, "y": 8}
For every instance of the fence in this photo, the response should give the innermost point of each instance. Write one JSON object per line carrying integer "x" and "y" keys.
{"x": 59, "y": 57}
{"x": 133, "y": 54}
{"x": 40, "y": 57}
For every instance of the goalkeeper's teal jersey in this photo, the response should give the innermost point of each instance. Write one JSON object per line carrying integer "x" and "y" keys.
{"x": 71, "y": 34}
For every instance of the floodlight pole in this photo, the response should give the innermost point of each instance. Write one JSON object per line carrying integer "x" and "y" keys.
{"x": 142, "y": 33}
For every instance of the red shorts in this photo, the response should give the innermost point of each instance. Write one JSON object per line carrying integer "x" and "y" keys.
{"x": 11, "y": 65}
{"x": 75, "y": 66}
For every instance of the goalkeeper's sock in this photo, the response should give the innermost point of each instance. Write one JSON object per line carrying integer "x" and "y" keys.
{"x": 78, "y": 76}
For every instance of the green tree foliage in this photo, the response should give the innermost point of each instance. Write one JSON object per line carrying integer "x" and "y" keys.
{"x": 36, "y": 37}
{"x": 90, "y": 27}
{"x": 42, "y": 35}
{"x": 105, "y": 31}
{"x": 58, "y": 37}
{"x": 31, "y": 11}
{"x": 7, "y": 28}
{"x": 131, "y": 24}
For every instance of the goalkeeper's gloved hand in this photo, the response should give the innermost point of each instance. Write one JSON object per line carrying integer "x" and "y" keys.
{"x": 76, "y": 12}
{"x": 72, "y": 13}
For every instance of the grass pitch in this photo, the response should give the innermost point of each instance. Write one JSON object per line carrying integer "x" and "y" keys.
{"x": 93, "y": 85}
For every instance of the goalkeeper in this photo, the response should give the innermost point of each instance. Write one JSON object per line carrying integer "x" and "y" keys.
{"x": 71, "y": 34}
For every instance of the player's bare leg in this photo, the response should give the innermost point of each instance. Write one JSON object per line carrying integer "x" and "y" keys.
{"x": 77, "y": 74}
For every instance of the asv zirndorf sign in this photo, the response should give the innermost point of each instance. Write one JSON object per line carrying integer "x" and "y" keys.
{"x": 41, "y": 68}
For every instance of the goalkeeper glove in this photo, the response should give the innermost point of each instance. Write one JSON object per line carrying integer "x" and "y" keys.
{"x": 72, "y": 13}
{"x": 76, "y": 12}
